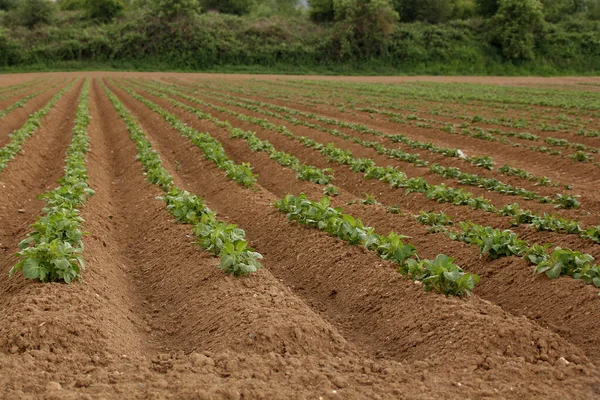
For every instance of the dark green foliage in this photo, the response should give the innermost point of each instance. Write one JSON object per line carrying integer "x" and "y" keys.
{"x": 572, "y": 263}
{"x": 488, "y": 8}
{"x": 7, "y": 4}
{"x": 362, "y": 27}
{"x": 321, "y": 10}
{"x": 168, "y": 10}
{"x": 237, "y": 7}
{"x": 433, "y": 11}
{"x": 593, "y": 10}
{"x": 149, "y": 39}
{"x": 515, "y": 27}
{"x": 35, "y": 12}
{"x": 268, "y": 8}
{"x": 103, "y": 10}
{"x": 440, "y": 275}
{"x": 557, "y": 10}
{"x": 53, "y": 249}
{"x": 71, "y": 5}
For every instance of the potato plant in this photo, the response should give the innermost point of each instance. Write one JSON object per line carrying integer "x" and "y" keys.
{"x": 568, "y": 262}
{"x": 30, "y": 126}
{"x": 440, "y": 275}
{"x": 396, "y": 153}
{"x": 391, "y": 175}
{"x": 21, "y": 102}
{"x": 493, "y": 242}
{"x": 14, "y": 90}
{"x": 212, "y": 148}
{"x": 462, "y": 177}
{"x": 53, "y": 249}
{"x": 303, "y": 172}
{"x": 220, "y": 239}
{"x": 521, "y": 173}
{"x": 477, "y": 132}
{"x": 498, "y": 243}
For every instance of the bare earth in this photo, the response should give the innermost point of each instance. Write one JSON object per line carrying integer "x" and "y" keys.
{"x": 154, "y": 318}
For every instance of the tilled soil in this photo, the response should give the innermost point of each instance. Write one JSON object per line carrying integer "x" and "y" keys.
{"x": 153, "y": 317}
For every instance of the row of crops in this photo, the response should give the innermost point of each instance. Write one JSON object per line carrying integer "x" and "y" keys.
{"x": 54, "y": 251}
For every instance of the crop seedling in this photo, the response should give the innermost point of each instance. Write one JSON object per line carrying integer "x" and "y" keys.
{"x": 53, "y": 250}
{"x": 434, "y": 219}
{"x": 494, "y": 242}
{"x": 568, "y": 262}
{"x": 393, "y": 209}
{"x": 440, "y": 275}
{"x": 369, "y": 200}
{"x": 331, "y": 190}
{"x": 223, "y": 240}
{"x": 443, "y": 276}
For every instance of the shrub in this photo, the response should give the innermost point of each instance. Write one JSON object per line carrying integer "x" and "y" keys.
{"x": 34, "y": 12}
{"x": 104, "y": 10}
{"x": 516, "y": 25}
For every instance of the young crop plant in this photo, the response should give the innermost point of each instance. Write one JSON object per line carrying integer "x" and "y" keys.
{"x": 483, "y": 162}
{"x": 222, "y": 240}
{"x": 573, "y": 263}
{"x": 393, "y": 209}
{"x": 331, "y": 190}
{"x": 497, "y": 243}
{"x": 557, "y": 142}
{"x": 22, "y": 86}
{"x": 567, "y": 201}
{"x": 362, "y": 164}
{"x": 492, "y": 184}
{"x": 521, "y": 173}
{"x": 20, "y": 103}
{"x": 478, "y": 133}
{"x": 288, "y": 115}
{"x": 315, "y": 175}
{"x": 494, "y": 242}
{"x": 369, "y": 200}
{"x": 303, "y": 172}
{"x": 592, "y": 233}
{"x": 434, "y": 219}
{"x": 390, "y": 175}
{"x": 15, "y": 90}
{"x": 537, "y": 253}
{"x": 53, "y": 249}
{"x": 580, "y": 156}
{"x": 212, "y": 148}
{"x": 440, "y": 275}
{"x": 520, "y": 216}
{"x": 30, "y": 126}
{"x": 345, "y": 157}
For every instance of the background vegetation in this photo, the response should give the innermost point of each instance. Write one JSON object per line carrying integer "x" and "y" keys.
{"x": 324, "y": 36}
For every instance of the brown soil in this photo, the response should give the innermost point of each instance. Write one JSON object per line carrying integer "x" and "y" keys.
{"x": 505, "y": 279}
{"x": 155, "y": 318}
{"x": 371, "y": 120}
{"x": 359, "y": 151}
{"x": 539, "y": 164}
{"x": 17, "y": 117}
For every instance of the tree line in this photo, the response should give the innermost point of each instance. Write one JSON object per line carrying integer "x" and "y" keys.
{"x": 353, "y": 30}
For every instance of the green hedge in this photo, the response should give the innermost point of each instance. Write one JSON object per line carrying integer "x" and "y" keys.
{"x": 277, "y": 44}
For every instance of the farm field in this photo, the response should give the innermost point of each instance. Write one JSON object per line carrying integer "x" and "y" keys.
{"x": 242, "y": 237}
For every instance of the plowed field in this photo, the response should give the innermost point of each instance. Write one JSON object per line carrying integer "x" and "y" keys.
{"x": 501, "y": 176}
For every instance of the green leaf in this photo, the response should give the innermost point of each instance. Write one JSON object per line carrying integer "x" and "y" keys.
{"x": 25, "y": 242}
{"x": 33, "y": 270}
{"x": 555, "y": 270}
